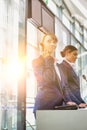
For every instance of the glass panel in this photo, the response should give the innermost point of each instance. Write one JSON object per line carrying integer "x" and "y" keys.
{"x": 53, "y": 7}
{"x": 63, "y": 38}
{"x": 81, "y": 66}
{"x": 78, "y": 31}
{"x": 78, "y": 61}
{"x": 84, "y": 74}
{"x": 66, "y": 22}
{"x": 85, "y": 43}
{"x": 9, "y": 66}
{"x": 85, "y": 38}
{"x": 33, "y": 38}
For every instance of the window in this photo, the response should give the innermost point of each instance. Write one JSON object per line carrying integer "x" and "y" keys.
{"x": 9, "y": 36}
{"x": 66, "y": 21}
{"x": 85, "y": 38}
{"x": 78, "y": 31}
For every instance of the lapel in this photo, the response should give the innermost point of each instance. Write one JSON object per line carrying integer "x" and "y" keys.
{"x": 71, "y": 71}
{"x": 58, "y": 80}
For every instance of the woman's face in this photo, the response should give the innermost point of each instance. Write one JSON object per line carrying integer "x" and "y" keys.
{"x": 49, "y": 44}
{"x": 72, "y": 56}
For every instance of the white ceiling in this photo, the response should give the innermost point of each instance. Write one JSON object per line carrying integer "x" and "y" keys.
{"x": 78, "y": 9}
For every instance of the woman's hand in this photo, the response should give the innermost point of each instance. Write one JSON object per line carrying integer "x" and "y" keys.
{"x": 82, "y": 105}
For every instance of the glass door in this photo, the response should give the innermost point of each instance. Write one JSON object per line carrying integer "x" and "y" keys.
{"x": 33, "y": 38}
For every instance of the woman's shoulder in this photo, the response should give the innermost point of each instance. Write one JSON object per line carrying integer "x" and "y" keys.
{"x": 62, "y": 65}
{"x": 37, "y": 61}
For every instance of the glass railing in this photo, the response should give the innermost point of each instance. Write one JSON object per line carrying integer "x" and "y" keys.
{"x": 8, "y": 113}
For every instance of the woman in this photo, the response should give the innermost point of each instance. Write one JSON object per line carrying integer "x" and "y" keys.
{"x": 70, "y": 80}
{"x": 48, "y": 95}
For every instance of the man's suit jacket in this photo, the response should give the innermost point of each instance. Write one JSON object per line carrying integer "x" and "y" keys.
{"x": 70, "y": 83}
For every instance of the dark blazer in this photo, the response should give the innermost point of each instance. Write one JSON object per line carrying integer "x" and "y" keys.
{"x": 70, "y": 83}
{"x": 48, "y": 95}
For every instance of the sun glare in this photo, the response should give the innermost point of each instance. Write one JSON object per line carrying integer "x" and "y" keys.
{"x": 14, "y": 70}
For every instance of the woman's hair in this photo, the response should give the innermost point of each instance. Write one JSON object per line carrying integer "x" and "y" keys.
{"x": 53, "y": 36}
{"x": 69, "y": 48}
